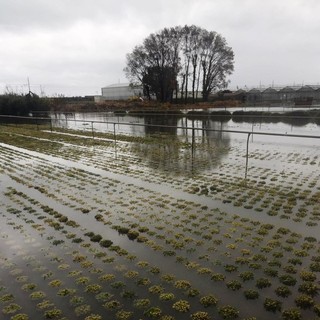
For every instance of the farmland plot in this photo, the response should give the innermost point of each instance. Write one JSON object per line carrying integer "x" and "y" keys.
{"x": 150, "y": 229}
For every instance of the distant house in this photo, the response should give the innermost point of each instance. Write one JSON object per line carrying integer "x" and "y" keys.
{"x": 121, "y": 91}
{"x": 305, "y": 95}
{"x": 306, "y": 92}
{"x": 270, "y": 95}
{"x": 299, "y": 95}
{"x": 287, "y": 93}
{"x": 254, "y": 95}
{"x": 317, "y": 94}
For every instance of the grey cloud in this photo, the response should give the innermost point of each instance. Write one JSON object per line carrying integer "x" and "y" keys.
{"x": 84, "y": 43}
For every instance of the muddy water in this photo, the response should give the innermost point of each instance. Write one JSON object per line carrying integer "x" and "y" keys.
{"x": 135, "y": 125}
{"x": 120, "y": 180}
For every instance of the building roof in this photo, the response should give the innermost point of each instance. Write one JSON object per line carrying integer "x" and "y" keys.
{"x": 118, "y": 85}
{"x": 306, "y": 88}
{"x": 288, "y": 89}
{"x": 314, "y": 87}
{"x": 255, "y": 90}
{"x": 270, "y": 89}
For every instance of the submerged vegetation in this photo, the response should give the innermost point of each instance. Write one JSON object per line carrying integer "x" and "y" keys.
{"x": 88, "y": 232}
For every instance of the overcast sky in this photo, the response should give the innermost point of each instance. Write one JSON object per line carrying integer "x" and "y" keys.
{"x": 75, "y": 47}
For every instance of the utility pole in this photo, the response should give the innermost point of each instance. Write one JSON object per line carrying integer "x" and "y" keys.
{"x": 29, "y": 85}
{"x": 42, "y": 91}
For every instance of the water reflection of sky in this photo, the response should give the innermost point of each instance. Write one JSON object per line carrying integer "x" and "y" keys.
{"x": 184, "y": 127}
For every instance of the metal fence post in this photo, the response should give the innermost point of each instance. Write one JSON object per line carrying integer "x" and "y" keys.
{"x": 115, "y": 139}
{"x": 247, "y": 155}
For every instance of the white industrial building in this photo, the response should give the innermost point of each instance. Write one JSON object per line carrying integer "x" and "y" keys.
{"x": 121, "y": 91}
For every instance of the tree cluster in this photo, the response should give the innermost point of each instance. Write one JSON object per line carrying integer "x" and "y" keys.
{"x": 21, "y": 105}
{"x": 178, "y": 60}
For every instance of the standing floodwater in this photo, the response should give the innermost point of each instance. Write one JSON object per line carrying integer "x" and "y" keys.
{"x": 159, "y": 221}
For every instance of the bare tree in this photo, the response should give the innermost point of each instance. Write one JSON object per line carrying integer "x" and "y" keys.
{"x": 195, "y": 49}
{"x": 217, "y": 63}
{"x": 190, "y": 52}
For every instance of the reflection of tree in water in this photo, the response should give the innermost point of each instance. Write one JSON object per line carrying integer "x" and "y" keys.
{"x": 179, "y": 150}
{"x": 297, "y": 118}
{"x": 155, "y": 124}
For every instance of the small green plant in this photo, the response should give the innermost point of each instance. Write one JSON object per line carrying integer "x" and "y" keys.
{"x": 66, "y": 292}
{"x": 132, "y": 234}
{"x": 270, "y": 272}
{"x": 52, "y": 313}
{"x": 11, "y": 308}
{"x": 272, "y": 305}
{"x": 192, "y": 292}
{"x": 93, "y": 317}
{"x": 103, "y": 296}
{"x": 290, "y": 269}
{"x": 304, "y": 301}
{"x": 315, "y": 266}
{"x": 107, "y": 277}
{"x": 124, "y": 315}
{"x": 93, "y": 288}
{"x": 153, "y": 312}
{"x": 306, "y": 275}
{"x": 182, "y": 284}
{"x": 251, "y": 294}
{"x": 167, "y": 296}
{"x": 82, "y": 309}
{"x": 45, "y": 304}
{"x": 287, "y": 280}
{"x": 181, "y": 306}
{"x": 316, "y": 309}
{"x": 263, "y": 283}
{"x": 208, "y": 301}
{"x": 291, "y": 314}
{"x": 112, "y": 305}
{"x": 128, "y": 294}
{"x": 283, "y": 291}
{"x": 230, "y": 268}
{"x": 82, "y": 280}
{"x": 96, "y": 238}
{"x": 20, "y": 316}
{"x": 234, "y": 285}
{"x": 142, "y": 303}
{"x": 246, "y": 275}
{"x": 200, "y": 315}
{"x": 156, "y": 289}
{"x": 76, "y": 300}
{"x": 55, "y": 283}
{"x": 7, "y": 297}
{"x": 99, "y": 217}
{"x": 309, "y": 288}
{"x": 106, "y": 243}
{"x": 143, "y": 282}
{"x": 28, "y": 286}
{"x": 37, "y": 295}
{"x": 228, "y": 312}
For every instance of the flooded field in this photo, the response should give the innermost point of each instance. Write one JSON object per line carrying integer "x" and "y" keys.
{"x": 135, "y": 123}
{"x": 159, "y": 225}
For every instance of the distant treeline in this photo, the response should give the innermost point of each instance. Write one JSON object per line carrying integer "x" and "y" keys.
{"x": 296, "y": 117}
{"x": 22, "y": 105}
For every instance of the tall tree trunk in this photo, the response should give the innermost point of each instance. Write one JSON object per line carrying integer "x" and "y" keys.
{"x": 187, "y": 77}
{"x": 182, "y": 86}
{"x": 204, "y": 85}
{"x": 194, "y": 63}
{"x": 198, "y": 79}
